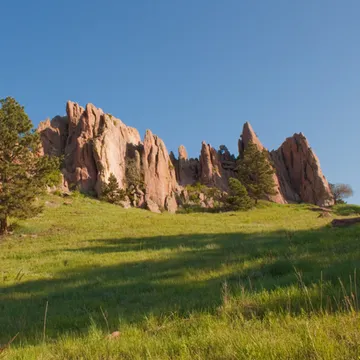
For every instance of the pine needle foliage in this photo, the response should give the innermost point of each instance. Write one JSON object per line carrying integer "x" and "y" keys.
{"x": 238, "y": 198}
{"x": 256, "y": 173}
{"x": 111, "y": 191}
{"x": 24, "y": 174}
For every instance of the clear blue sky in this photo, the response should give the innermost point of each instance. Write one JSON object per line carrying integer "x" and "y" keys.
{"x": 193, "y": 70}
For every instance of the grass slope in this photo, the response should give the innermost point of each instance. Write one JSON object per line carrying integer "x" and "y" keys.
{"x": 257, "y": 285}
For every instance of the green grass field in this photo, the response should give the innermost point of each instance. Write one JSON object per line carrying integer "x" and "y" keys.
{"x": 276, "y": 282}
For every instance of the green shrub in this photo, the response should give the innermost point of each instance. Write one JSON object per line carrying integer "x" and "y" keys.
{"x": 256, "y": 173}
{"x": 134, "y": 175}
{"x": 53, "y": 178}
{"x": 346, "y": 209}
{"x": 111, "y": 191}
{"x": 238, "y": 198}
{"x": 196, "y": 189}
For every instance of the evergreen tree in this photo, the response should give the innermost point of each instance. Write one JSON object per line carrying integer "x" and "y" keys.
{"x": 256, "y": 172}
{"x": 23, "y": 172}
{"x": 111, "y": 191}
{"x": 238, "y": 198}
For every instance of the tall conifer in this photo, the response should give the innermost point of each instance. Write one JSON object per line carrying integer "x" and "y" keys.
{"x": 23, "y": 173}
{"x": 256, "y": 173}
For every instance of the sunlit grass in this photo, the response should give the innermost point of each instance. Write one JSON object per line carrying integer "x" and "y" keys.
{"x": 276, "y": 282}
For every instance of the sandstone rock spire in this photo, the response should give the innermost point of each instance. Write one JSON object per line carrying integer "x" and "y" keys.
{"x": 95, "y": 144}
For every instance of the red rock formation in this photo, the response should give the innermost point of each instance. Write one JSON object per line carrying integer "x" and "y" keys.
{"x": 111, "y": 147}
{"x": 80, "y": 166}
{"x": 287, "y": 191}
{"x": 298, "y": 173}
{"x": 159, "y": 173}
{"x": 215, "y": 169}
{"x": 95, "y": 144}
{"x": 210, "y": 167}
{"x": 301, "y": 166}
{"x": 53, "y": 135}
{"x": 248, "y": 134}
{"x": 187, "y": 170}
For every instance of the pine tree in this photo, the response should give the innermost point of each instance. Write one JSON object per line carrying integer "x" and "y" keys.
{"x": 256, "y": 173}
{"x": 23, "y": 173}
{"x": 238, "y": 198}
{"x": 111, "y": 191}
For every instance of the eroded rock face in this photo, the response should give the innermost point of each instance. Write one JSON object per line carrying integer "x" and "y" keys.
{"x": 248, "y": 134}
{"x": 112, "y": 147}
{"x": 159, "y": 173}
{"x": 187, "y": 170}
{"x": 95, "y": 144}
{"x": 286, "y": 189}
{"x": 213, "y": 168}
{"x": 53, "y": 135}
{"x": 153, "y": 206}
{"x": 298, "y": 175}
{"x": 80, "y": 166}
{"x": 210, "y": 167}
{"x": 301, "y": 166}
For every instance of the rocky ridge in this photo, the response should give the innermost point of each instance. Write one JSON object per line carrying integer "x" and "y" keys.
{"x": 94, "y": 144}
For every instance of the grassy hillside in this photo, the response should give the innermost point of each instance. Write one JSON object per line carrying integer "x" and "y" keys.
{"x": 273, "y": 283}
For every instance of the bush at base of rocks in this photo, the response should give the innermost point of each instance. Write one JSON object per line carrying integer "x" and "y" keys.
{"x": 111, "y": 191}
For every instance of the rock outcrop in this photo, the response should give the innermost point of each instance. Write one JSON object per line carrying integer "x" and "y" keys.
{"x": 215, "y": 167}
{"x": 187, "y": 170}
{"x": 247, "y": 135}
{"x": 210, "y": 166}
{"x": 159, "y": 173}
{"x": 53, "y": 135}
{"x": 80, "y": 167}
{"x": 298, "y": 175}
{"x": 287, "y": 191}
{"x": 300, "y": 166}
{"x": 94, "y": 144}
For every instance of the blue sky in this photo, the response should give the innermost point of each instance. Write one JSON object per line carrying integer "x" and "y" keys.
{"x": 193, "y": 70}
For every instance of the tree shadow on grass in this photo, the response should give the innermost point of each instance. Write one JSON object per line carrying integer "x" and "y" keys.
{"x": 188, "y": 277}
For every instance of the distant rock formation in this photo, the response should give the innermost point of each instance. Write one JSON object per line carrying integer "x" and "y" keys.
{"x": 95, "y": 144}
{"x": 187, "y": 170}
{"x": 297, "y": 163}
{"x": 298, "y": 174}
{"x": 215, "y": 170}
{"x": 159, "y": 173}
{"x": 54, "y": 134}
